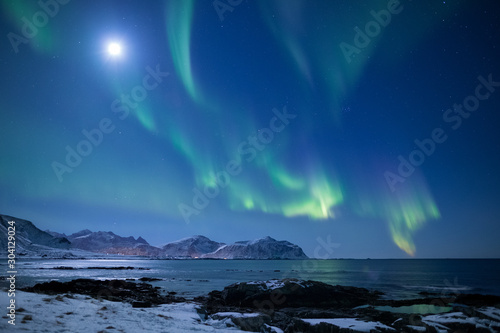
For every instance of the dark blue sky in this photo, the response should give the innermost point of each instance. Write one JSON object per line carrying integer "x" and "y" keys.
{"x": 372, "y": 125}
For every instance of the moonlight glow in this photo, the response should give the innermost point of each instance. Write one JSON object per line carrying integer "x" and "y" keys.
{"x": 114, "y": 49}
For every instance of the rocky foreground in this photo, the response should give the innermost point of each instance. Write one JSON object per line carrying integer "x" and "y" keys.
{"x": 291, "y": 305}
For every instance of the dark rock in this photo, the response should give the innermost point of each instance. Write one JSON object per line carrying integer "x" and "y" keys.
{"x": 145, "y": 304}
{"x": 275, "y": 294}
{"x": 408, "y": 302}
{"x": 112, "y": 268}
{"x": 142, "y": 294}
{"x": 148, "y": 279}
{"x": 286, "y": 301}
{"x": 478, "y": 300}
{"x": 298, "y": 325}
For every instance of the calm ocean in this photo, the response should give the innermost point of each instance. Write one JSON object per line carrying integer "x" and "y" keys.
{"x": 189, "y": 278}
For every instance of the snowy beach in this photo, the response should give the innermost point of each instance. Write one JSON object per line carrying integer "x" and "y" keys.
{"x": 287, "y": 305}
{"x": 79, "y": 313}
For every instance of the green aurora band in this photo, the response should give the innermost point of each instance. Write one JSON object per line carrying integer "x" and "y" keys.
{"x": 21, "y": 13}
{"x": 269, "y": 184}
{"x": 179, "y": 18}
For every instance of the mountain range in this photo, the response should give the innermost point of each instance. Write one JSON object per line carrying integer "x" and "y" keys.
{"x": 31, "y": 241}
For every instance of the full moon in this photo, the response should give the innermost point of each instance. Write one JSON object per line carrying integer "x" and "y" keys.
{"x": 114, "y": 49}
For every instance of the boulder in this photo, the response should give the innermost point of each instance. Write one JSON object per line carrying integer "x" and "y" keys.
{"x": 138, "y": 294}
{"x": 291, "y": 293}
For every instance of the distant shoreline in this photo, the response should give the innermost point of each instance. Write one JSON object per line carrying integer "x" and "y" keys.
{"x": 132, "y": 257}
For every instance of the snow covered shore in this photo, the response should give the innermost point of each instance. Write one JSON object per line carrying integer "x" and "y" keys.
{"x": 79, "y": 313}
{"x": 297, "y": 306}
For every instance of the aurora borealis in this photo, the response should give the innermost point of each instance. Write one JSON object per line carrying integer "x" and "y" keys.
{"x": 257, "y": 124}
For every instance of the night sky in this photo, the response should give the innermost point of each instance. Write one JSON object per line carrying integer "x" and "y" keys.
{"x": 371, "y": 126}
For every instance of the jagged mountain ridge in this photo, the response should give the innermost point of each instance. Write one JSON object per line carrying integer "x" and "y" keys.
{"x": 32, "y": 241}
{"x": 264, "y": 248}
{"x": 192, "y": 247}
{"x": 110, "y": 243}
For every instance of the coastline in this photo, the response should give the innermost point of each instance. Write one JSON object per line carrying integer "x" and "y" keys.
{"x": 281, "y": 305}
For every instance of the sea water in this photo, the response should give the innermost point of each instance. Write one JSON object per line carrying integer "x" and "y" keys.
{"x": 398, "y": 279}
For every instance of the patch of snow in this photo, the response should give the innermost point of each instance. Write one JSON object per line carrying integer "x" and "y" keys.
{"x": 395, "y": 321}
{"x": 84, "y": 236}
{"x": 255, "y": 282}
{"x": 224, "y": 323}
{"x": 454, "y": 317}
{"x": 269, "y": 285}
{"x": 491, "y": 312}
{"x": 43, "y": 313}
{"x": 236, "y": 314}
{"x": 417, "y": 328}
{"x": 350, "y": 323}
{"x": 439, "y": 321}
{"x": 273, "y": 329}
{"x": 274, "y": 284}
{"x": 220, "y": 248}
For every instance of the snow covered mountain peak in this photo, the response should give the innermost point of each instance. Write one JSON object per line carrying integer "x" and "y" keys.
{"x": 32, "y": 240}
